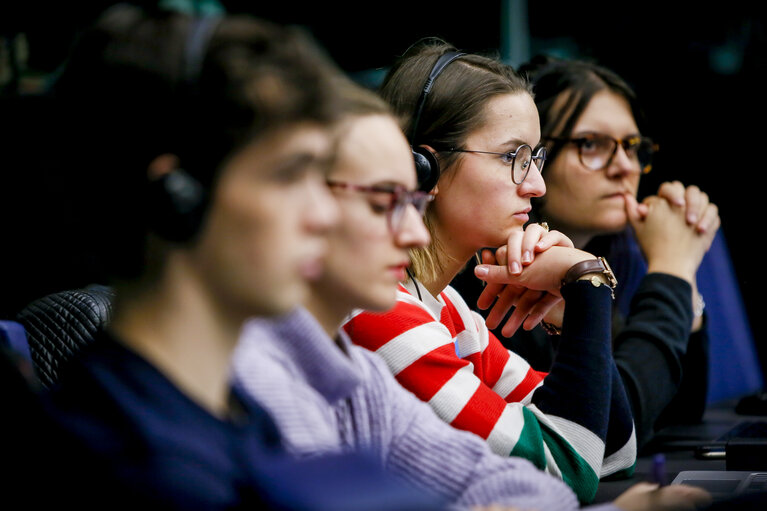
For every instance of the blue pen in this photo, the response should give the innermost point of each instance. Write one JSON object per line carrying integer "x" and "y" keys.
{"x": 659, "y": 469}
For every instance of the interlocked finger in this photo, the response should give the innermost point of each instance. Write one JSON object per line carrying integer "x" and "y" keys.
{"x": 524, "y": 303}
{"x": 506, "y": 300}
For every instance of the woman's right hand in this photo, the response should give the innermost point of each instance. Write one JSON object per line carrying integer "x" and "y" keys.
{"x": 675, "y": 497}
{"x": 533, "y": 292}
{"x": 530, "y": 306}
{"x": 674, "y": 229}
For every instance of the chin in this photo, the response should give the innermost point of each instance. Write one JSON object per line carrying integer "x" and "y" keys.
{"x": 381, "y": 301}
{"x": 503, "y": 238}
{"x": 283, "y": 303}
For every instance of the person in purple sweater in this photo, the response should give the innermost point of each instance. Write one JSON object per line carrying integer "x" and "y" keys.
{"x": 326, "y": 394}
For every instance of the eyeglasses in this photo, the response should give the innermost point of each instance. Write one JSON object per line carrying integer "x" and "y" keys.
{"x": 399, "y": 198}
{"x": 596, "y": 151}
{"x": 519, "y": 160}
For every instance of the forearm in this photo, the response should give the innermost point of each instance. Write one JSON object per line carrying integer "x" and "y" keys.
{"x": 583, "y": 387}
{"x": 620, "y": 446}
{"x": 649, "y": 349}
{"x": 689, "y": 403}
{"x": 579, "y": 384}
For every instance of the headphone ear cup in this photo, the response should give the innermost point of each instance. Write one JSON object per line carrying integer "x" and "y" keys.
{"x": 177, "y": 206}
{"x": 426, "y": 167}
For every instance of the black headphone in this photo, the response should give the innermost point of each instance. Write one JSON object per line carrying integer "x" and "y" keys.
{"x": 178, "y": 202}
{"x": 426, "y": 164}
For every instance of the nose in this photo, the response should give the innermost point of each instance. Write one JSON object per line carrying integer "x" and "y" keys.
{"x": 622, "y": 163}
{"x": 320, "y": 211}
{"x": 533, "y": 185}
{"x": 412, "y": 231}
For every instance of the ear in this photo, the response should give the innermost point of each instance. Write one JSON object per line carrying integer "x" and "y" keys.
{"x": 433, "y": 151}
{"x": 426, "y": 167}
{"x": 429, "y": 148}
{"x": 162, "y": 165}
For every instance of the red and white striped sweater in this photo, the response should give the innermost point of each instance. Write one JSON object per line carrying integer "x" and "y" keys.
{"x": 443, "y": 352}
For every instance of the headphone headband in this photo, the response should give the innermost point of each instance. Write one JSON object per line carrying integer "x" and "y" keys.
{"x": 426, "y": 164}
{"x": 178, "y": 200}
{"x": 441, "y": 64}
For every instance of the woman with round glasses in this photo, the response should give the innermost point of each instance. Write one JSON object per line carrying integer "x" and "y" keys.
{"x": 480, "y": 123}
{"x": 590, "y": 124}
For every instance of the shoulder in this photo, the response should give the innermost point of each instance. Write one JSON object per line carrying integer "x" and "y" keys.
{"x": 373, "y": 329}
{"x": 453, "y": 297}
{"x": 260, "y": 345}
{"x": 459, "y": 309}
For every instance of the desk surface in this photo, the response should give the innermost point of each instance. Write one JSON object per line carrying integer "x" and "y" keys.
{"x": 677, "y": 444}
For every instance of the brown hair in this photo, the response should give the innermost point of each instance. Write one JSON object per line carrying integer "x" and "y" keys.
{"x": 454, "y": 108}
{"x": 563, "y": 89}
{"x": 358, "y": 102}
{"x": 131, "y": 95}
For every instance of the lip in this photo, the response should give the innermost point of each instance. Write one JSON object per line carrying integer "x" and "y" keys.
{"x": 312, "y": 264}
{"x": 525, "y": 211}
{"x": 399, "y": 270}
{"x": 311, "y": 268}
{"x": 615, "y": 195}
{"x": 522, "y": 215}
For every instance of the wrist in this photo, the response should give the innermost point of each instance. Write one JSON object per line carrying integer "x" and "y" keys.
{"x": 575, "y": 256}
{"x": 595, "y": 270}
{"x": 698, "y": 308}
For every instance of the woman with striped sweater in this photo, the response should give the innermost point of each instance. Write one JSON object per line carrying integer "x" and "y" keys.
{"x": 476, "y": 120}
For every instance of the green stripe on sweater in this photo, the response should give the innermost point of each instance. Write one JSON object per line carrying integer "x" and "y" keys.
{"x": 530, "y": 442}
{"x": 576, "y": 472}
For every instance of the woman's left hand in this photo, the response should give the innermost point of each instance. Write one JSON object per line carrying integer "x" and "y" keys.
{"x": 522, "y": 245}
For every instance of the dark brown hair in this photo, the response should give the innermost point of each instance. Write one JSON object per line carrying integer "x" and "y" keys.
{"x": 563, "y": 89}
{"x": 133, "y": 90}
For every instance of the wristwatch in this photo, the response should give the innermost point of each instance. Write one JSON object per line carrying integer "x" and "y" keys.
{"x": 592, "y": 266}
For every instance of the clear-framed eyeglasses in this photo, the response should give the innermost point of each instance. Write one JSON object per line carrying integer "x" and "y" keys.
{"x": 597, "y": 150}
{"x": 520, "y": 160}
{"x": 399, "y": 198}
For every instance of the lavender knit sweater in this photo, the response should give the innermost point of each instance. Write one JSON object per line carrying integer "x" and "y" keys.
{"x": 327, "y": 399}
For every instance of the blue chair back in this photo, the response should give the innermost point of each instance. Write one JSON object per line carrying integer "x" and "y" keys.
{"x": 734, "y": 368}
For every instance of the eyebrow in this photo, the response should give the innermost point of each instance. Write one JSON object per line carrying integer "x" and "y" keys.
{"x": 387, "y": 186}
{"x": 585, "y": 133}
{"x": 515, "y": 142}
{"x": 303, "y": 162}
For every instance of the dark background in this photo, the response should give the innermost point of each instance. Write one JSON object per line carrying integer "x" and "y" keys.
{"x": 697, "y": 71}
